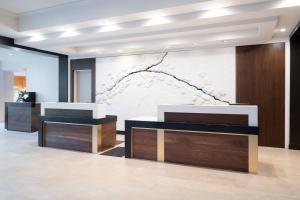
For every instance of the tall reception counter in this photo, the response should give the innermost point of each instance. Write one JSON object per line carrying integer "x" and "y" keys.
{"x": 22, "y": 116}
{"x": 224, "y": 137}
{"x": 77, "y": 126}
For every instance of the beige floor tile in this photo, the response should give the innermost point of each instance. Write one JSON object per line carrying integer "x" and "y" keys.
{"x": 29, "y": 172}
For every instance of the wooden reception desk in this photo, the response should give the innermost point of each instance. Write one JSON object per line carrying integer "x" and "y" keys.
{"x": 224, "y": 137}
{"x": 77, "y": 126}
{"x": 22, "y": 116}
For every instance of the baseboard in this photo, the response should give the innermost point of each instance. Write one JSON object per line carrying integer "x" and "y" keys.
{"x": 120, "y": 132}
{"x": 294, "y": 146}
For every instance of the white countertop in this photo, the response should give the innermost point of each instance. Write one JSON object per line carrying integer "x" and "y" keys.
{"x": 99, "y": 110}
{"x": 250, "y": 110}
{"x": 144, "y": 118}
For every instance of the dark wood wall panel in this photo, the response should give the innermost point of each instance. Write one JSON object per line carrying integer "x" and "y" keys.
{"x": 227, "y": 151}
{"x": 260, "y": 80}
{"x": 144, "y": 143}
{"x": 295, "y": 91}
{"x": 206, "y": 118}
{"x": 68, "y": 136}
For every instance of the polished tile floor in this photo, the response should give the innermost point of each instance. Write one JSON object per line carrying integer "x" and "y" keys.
{"x": 30, "y": 172}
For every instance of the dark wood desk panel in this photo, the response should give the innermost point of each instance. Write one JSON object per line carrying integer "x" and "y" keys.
{"x": 68, "y": 136}
{"x": 22, "y": 116}
{"x": 77, "y": 133}
{"x": 51, "y": 112}
{"x": 228, "y": 147}
{"x": 144, "y": 144}
{"x": 107, "y": 136}
{"x": 222, "y": 151}
{"x": 207, "y": 118}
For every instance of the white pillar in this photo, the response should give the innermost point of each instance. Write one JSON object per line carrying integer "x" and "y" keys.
{"x": 8, "y": 86}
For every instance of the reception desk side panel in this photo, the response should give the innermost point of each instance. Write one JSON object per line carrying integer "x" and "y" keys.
{"x": 106, "y": 136}
{"x": 35, "y": 115}
{"x": 6, "y": 117}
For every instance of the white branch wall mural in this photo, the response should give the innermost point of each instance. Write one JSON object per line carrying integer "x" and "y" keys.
{"x": 134, "y": 85}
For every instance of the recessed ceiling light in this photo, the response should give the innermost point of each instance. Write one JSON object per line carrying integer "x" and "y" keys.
{"x": 69, "y": 33}
{"x": 282, "y": 30}
{"x": 155, "y": 14}
{"x": 37, "y": 38}
{"x": 176, "y": 42}
{"x": 93, "y": 50}
{"x": 212, "y": 5}
{"x": 132, "y": 47}
{"x": 216, "y": 13}
{"x": 157, "y": 21}
{"x": 120, "y": 51}
{"x": 110, "y": 28}
{"x": 287, "y": 3}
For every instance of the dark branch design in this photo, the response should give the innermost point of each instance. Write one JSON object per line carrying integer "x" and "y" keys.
{"x": 131, "y": 73}
{"x": 148, "y": 70}
{"x": 189, "y": 84}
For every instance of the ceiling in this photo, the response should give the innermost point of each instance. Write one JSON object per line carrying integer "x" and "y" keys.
{"x": 19, "y": 6}
{"x": 106, "y": 28}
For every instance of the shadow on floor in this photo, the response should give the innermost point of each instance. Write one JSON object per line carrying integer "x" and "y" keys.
{"x": 115, "y": 152}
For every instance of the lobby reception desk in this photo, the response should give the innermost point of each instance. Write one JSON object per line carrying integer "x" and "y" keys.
{"x": 77, "y": 126}
{"x": 22, "y": 117}
{"x": 223, "y": 137}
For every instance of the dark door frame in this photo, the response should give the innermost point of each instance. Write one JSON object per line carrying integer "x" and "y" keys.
{"x": 83, "y": 64}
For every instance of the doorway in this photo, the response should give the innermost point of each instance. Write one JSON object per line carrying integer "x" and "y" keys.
{"x": 19, "y": 84}
{"x": 83, "y": 84}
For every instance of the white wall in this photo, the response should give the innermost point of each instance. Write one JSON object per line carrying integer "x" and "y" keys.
{"x": 41, "y": 72}
{"x": 8, "y": 86}
{"x": 221, "y": 81}
{"x": 212, "y": 70}
{"x": 6, "y": 90}
{"x": 42, "y": 78}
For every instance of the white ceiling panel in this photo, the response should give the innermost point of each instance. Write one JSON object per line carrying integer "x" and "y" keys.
{"x": 102, "y": 27}
{"x": 21, "y": 6}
